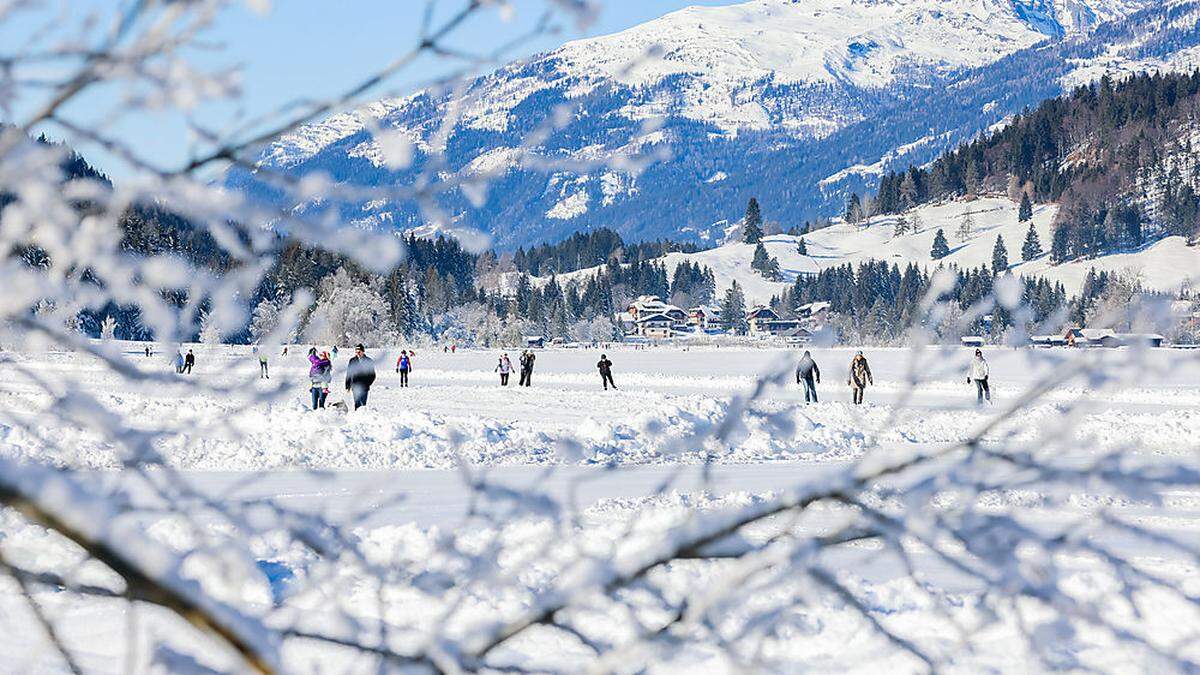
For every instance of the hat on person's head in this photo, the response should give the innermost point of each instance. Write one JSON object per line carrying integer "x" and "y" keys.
{"x": 360, "y": 347}
{"x": 806, "y": 353}
{"x": 978, "y": 352}
{"x": 859, "y": 353}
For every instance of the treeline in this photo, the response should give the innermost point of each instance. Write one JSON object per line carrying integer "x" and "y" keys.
{"x": 1116, "y": 156}
{"x": 877, "y": 302}
{"x": 589, "y": 249}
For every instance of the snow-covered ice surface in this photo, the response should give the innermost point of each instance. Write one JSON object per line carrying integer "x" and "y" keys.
{"x": 390, "y": 473}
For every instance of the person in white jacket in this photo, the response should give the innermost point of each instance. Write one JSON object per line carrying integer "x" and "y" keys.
{"x": 504, "y": 368}
{"x": 979, "y": 375}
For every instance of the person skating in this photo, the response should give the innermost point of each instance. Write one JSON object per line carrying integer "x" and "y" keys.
{"x": 527, "y": 359}
{"x": 979, "y": 375}
{"x": 360, "y": 375}
{"x": 188, "y": 362}
{"x": 805, "y": 372}
{"x": 860, "y": 377}
{"x": 605, "y": 367}
{"x": 404, "y": 366}
{"x": 320, "y": 376}
{"x": 504, "y": 368}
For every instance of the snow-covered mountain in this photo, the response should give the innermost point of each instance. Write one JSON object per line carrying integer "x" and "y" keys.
{"x": 793, "y": 101}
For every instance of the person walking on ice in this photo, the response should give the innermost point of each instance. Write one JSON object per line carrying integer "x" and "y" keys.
{"x": 360, "y": 375}
{"x": 320, "y": 376}
{"x": 527, "y": 359}
{"x": 860, "y": 377}
{"x": 605, "y": 367}
{"x": 504, "y": 368}
{"x": 403, "y": 366}
{"x": 262, "y": 364}
{"x": 805, "y": 372}
{"x": 979, "y": 375}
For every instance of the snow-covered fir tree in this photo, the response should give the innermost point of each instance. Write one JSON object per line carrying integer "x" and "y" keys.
{"x": 752, "y": 232}
{"x": 1032, "y": 248}
{"x": 1025, "y": 211}
{"x": 941, "y": 248}
{"x": 765, "y": 264}
{"x": 999, "y": 256}
{"x": 108, "y": 329}
{"x": 733, "y": 309}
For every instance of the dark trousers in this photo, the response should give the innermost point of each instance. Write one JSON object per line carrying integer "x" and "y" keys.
{"x": 606, "y": 379}
{"x": 318, "y": 397}
{"x": 982, "y": 391}
{"x": 810, "y": 390}
{"x": 403, "y": 378}
{"x": 187, "y": 368}
{"x": 262, "y": 370}
{"x": 503, "y": 379}
{"x": 858, "y": 395}
{"x": 359, "y": 391}
{"x": 526, "y": 376}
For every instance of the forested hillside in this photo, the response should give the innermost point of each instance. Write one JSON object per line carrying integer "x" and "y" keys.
{"x": 1118, "y": 157}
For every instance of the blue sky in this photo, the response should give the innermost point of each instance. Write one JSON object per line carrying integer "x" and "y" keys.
{"x": 320, "y": 47}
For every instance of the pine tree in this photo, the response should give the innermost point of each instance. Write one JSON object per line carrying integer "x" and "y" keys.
{"x": 1032, "y": 247}
{"x": 733, "y": 309}
{"x": 999, "y": 256}
{"x": 801, "y": 247}
{"x": 901, "y": 227}
{"x": 764, "y": 264}
{"x": 854, "y": 210}
{"x": 752, "y": 224}
{"x": 1025, "y": 211}
{"x": 940, "y": 249}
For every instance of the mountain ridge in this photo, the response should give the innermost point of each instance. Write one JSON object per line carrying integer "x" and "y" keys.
{"x": 715, "y": 161}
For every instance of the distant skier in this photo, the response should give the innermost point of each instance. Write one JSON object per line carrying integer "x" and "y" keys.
{"x": 360, "y": 375}
{"x": 805, "y": 372}
{"x": 860, "y": 377}
{"x": 333, "y": 350}
{"x": 284, "y": 351}
{"x": 979, "y": 375}
{"x": 605, "y": 367}
{"x": 505, "y": 368}
{"x": 320, "y": 376}
{"x": 404, "y": 366}
{"x": 188, "y": 362}
{"x": 148, "y": 352}
{"x": 527, "y": 359}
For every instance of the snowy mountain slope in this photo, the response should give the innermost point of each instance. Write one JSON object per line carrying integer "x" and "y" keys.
{"x": 1163, "y": 265}
{"x": 795, "y": 102}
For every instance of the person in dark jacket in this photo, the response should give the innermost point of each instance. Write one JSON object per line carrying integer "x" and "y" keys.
{"x": 805, "y": 372}
{"x": 188, "y": 362}
{"x": 860, "y": 377}
{"x": 605, "y": 367}
{"x": 527, "y": 359}
{"x": 360, "y": 375}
